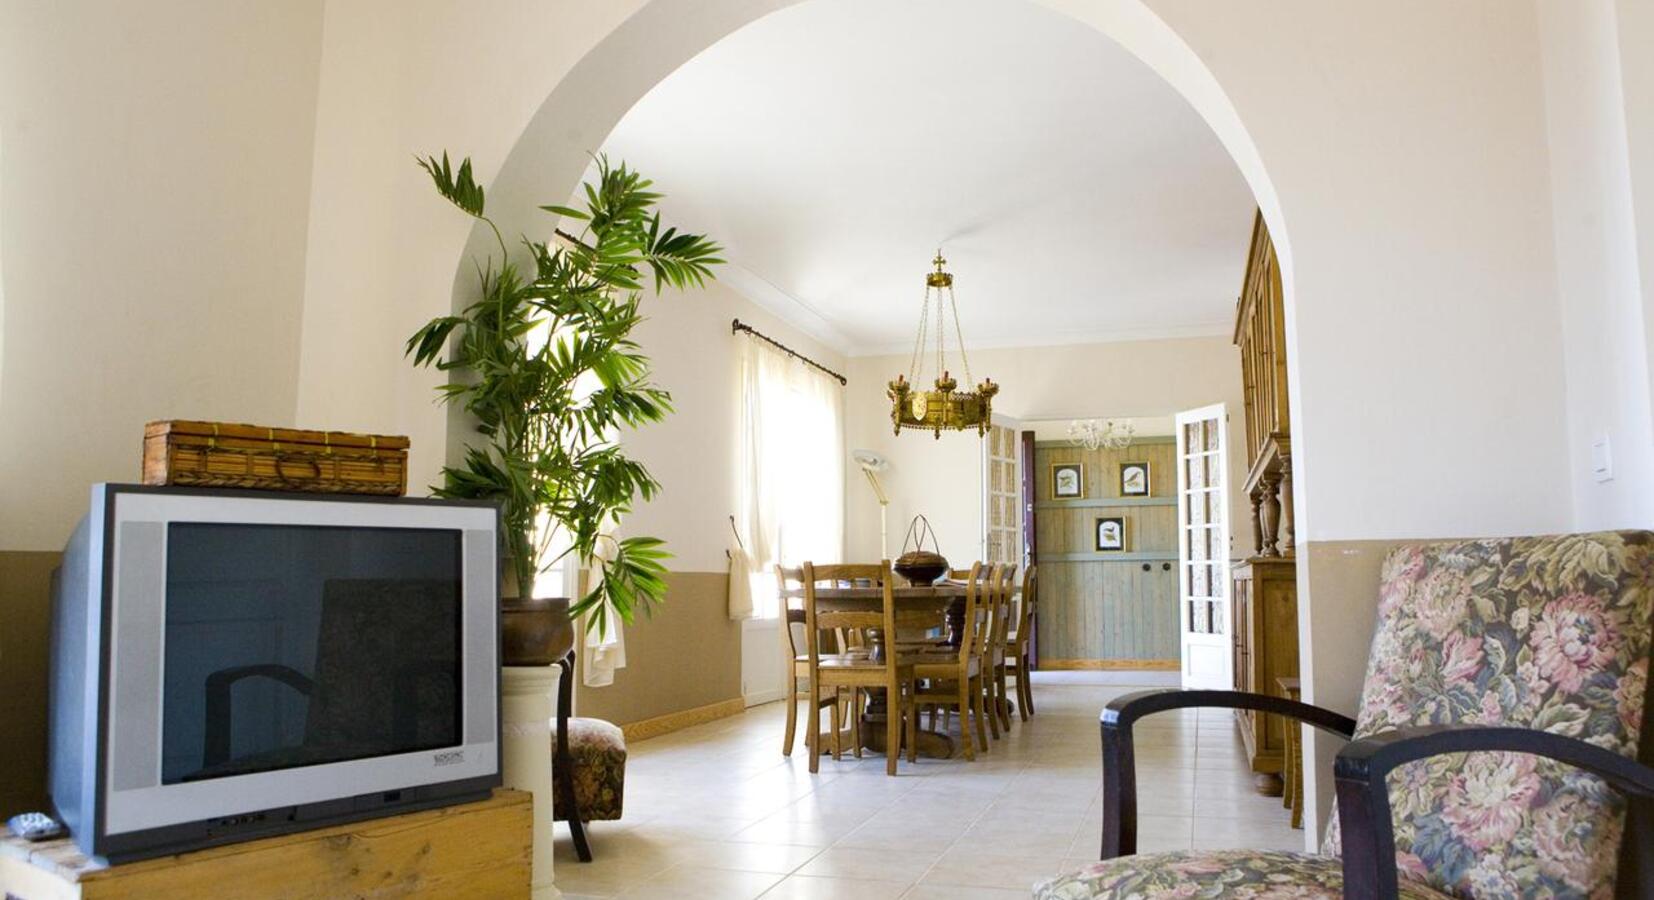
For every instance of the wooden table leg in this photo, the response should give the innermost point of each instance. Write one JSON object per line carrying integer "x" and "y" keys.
{"x": 932, "y": 744}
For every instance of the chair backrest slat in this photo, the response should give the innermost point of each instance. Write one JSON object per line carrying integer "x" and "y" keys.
{"x": 1004, "y": 590}
{"x": 976, "y": 580}
{"x": 1025, "y": 611}
{"x": 979, "y": 617}
{"x": 789, "y": 585}
{"x": 849, "y": 623}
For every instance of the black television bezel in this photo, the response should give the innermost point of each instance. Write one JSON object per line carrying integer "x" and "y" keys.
{"x": 218, "y": 830}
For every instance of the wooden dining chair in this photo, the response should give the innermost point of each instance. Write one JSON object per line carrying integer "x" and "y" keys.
{"x": 947, "y": 678}
{"x": 790, "y": 587}
{"x": 993, "y": 674}
{"x": 856, "y": 669}
{"x": 1016, "y": 659}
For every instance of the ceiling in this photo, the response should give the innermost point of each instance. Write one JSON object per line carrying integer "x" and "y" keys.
{"x": 834, "y": 145}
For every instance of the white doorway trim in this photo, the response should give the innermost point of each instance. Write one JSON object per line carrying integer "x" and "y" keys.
{"x": 1203, "y": 548}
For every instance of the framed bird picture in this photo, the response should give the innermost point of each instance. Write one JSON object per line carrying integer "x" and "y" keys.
{"x": 1134, "y": 479}
{"x": 1067, "y": 481}
{"x": 1111, "y": 533}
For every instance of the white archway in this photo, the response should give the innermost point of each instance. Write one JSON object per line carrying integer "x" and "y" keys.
{"x": 553, "y": 151}
{"x": 1394, "y": 164}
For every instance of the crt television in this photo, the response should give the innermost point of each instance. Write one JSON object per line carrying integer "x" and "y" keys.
{"x": 233, "y": 664}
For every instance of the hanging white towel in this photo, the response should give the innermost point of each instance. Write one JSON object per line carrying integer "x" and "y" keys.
{"x": 740, "y": 586}
{"x": 606, "y": 647}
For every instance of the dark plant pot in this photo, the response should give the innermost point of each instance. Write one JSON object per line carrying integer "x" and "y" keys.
{"x": 536, "y": 631}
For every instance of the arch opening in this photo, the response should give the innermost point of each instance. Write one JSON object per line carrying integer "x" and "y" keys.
{"x": 553, "y": 152}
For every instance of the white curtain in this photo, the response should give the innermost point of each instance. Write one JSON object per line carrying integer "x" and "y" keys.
{"x": 790, "y": 453}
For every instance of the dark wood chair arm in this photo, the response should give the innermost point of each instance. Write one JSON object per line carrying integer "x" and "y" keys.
{"x": 1119, "y": 757}
{"x": 1363, "y": 767}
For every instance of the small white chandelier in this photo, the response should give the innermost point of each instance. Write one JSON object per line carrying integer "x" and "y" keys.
{"x": 1093, "y": 435}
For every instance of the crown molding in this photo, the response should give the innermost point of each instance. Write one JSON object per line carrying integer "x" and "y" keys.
{"x": 1215, "y": 328}
{"x": 782, "y": 305}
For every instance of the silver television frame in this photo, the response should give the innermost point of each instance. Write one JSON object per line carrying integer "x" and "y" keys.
{"x": 108, "y": 636}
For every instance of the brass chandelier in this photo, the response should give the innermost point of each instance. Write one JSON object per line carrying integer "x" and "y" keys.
{"x": 943, "y": 407}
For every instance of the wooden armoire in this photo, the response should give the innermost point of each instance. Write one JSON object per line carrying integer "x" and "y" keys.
{"x": 1265, "y": 597}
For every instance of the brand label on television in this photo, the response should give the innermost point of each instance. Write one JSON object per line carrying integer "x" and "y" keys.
{"x": 449, "y": 757}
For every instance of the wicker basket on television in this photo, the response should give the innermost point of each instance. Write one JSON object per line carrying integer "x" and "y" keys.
{"x": 229, "y": 455}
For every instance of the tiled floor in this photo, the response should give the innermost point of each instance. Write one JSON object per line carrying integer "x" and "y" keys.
{"x": 717, "y": 812}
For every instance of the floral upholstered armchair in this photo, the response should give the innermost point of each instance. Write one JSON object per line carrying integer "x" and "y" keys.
{"x": 1495, "y": 753}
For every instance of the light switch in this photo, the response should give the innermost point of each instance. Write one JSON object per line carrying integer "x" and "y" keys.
{"x": 1602, "y": 459}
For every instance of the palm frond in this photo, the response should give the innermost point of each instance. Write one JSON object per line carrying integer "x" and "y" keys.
{"x": 518, "y": 353}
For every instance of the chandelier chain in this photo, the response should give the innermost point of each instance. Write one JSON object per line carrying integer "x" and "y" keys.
{"x": 964, "y": 361}
{"x": 941, "y": 332}
{"x": 919, "y": 340}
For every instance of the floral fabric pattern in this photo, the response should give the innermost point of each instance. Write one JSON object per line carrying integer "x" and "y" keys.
{"x": 1236, "y": 874}
{"x": 597, "y": 753}
{"x": 1550, "y": 633}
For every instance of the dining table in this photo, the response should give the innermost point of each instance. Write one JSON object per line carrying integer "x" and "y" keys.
{"x": 941, "y": 603}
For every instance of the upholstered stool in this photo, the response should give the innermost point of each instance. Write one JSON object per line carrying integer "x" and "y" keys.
{"x": 588, "y": 772}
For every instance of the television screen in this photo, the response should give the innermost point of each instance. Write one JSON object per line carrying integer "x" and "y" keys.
{"x": 295, "y": 645}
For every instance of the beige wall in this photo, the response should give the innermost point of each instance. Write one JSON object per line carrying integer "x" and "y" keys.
{"x": 156, "y": 179}
{"x": 943, "y": 478}
{"x": 686, "y": 656}
{"x": 1347, "y": 570}
{"x": 25, "y": 621}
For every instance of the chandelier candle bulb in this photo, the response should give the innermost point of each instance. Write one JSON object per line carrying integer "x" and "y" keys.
{"x": 944, "y": 407}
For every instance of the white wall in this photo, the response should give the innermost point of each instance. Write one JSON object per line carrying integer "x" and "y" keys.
{"x": 1406, "y": 144}
{"x": 400, "y": 80}
{"x": 157, "y": 178}
{"x": 693, "y": 452}
{"x": 942, "y": 478}
{"x": 1599, "y": 283}
{"x": 1635, "y": 25}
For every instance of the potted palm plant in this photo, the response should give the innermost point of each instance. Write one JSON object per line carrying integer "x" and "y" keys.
{"x": 544, "y": 363}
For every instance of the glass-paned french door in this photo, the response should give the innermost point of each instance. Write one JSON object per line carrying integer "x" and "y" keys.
{"x": 1203, "y": 547}
{"x": 1002, "y": 483}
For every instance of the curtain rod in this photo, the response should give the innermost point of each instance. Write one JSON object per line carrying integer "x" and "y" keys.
{"x": 738, "y": 326}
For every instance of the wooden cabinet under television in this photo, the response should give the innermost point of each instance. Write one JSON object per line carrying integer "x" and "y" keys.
{"x": 1266, "y": 585}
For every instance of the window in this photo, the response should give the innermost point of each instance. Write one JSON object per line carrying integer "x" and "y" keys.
{"x": 791, "y": 459}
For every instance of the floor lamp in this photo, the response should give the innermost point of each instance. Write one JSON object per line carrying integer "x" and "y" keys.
{"x": 871, "y": 464}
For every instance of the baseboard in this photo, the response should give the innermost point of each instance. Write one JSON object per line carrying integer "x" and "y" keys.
{"x": 645, "y": 729}
{"x": 1111, "y": 665}
{"x": 758, "y": 698}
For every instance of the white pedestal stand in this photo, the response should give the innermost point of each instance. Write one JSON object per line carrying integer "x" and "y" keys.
{"x": 527, "y": 705}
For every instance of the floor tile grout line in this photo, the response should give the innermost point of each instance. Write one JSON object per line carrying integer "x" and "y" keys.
{"x": 748, "y": 767}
